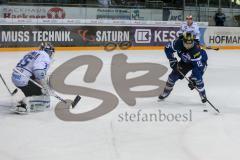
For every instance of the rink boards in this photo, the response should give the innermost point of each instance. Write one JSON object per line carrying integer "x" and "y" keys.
{"x": 77, "y": 36}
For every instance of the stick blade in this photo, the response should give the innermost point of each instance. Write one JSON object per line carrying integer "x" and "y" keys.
{"x": 75, "y": 101}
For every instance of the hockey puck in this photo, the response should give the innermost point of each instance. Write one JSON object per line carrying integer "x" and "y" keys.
{"x": 205, "y": 110}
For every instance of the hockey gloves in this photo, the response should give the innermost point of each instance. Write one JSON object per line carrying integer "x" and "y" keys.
{"x": 174, "y": 64}
{"x": 192, "y": 83}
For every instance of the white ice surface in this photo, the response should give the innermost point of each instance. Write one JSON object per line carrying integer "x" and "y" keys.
{"x": 42, "y": 136}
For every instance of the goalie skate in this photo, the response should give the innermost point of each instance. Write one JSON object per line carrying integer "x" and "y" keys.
{"x": 20, "y": 108}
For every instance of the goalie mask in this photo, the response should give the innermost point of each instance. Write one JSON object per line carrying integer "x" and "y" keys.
{"x": 48, "y": 48}
{"x": 188, "y": 40}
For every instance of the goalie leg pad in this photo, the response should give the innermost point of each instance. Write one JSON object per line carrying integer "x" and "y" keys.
{"x": 32, "y": 104}
{"x": 37, "y": 103}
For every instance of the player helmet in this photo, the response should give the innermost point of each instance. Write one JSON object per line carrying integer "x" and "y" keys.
{"x": 48, "y": 48}
{"x": 188, "y": 40}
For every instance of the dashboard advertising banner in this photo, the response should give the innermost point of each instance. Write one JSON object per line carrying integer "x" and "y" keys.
{"x": 75, "y": 36}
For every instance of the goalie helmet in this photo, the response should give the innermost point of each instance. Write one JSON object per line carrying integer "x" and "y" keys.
{"x": 48, "y": 48}
{"x": 188, "y": 40}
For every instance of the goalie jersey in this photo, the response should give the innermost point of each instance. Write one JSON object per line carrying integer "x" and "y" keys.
{"x": 34, "y": 65}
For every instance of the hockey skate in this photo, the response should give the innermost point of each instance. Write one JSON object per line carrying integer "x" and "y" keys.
{"x": 164, "y": 95}
{"x": 20, "y": 108}
{"x": 203, "y": 98}
{"x": 167, "y": 90}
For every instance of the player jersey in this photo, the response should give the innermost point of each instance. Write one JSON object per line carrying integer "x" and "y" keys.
{"x": 194, "y": 29}
{"x": 34, "y": 61}
{"x": 186, "y": 55}
{"x": 195, "y": 56}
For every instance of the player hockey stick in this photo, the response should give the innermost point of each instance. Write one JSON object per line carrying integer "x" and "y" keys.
{"x": 216, "y": 109}
{"x": 74, "y": 102}
{"x": 210, "y": 47}
{"x": 13, "y": 92}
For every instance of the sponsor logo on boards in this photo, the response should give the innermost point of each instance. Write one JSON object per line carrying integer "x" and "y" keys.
{"x": 143, "y": 35}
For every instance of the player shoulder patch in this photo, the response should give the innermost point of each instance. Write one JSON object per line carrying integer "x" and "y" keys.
{"x": 196, "y": 55}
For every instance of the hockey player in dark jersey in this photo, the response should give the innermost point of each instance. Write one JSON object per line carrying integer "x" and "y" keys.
{"x": 192, "y": 58}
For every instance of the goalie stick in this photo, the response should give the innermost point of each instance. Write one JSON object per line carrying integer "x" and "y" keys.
{"x": 13, "y": 92}
{"x": 216, "y": 109}
{"x": 210, "y": 47}
{"x": 74, "y": 102}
